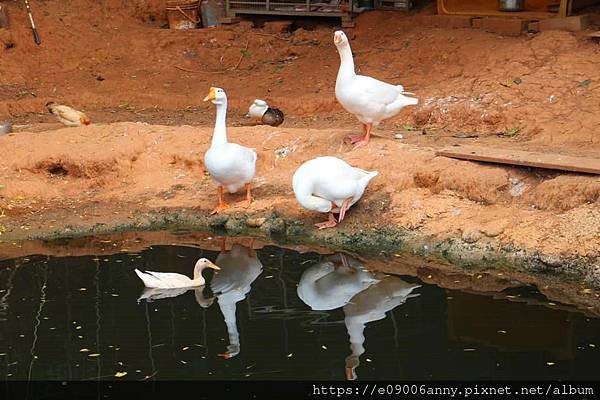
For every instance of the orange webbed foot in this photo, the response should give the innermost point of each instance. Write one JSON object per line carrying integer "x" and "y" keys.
{"x": 220, "y": 208}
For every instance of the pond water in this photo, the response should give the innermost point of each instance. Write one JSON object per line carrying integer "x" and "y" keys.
{"x": 270, "y": 314}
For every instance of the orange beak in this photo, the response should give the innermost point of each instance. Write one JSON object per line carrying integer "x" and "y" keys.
{"x": 337, "y": 38}
{"x": 213, "y": 266}
{"x": 211, "y": 94}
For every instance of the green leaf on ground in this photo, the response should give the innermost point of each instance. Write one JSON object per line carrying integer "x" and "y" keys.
{"x": 511, "y": 132}
{"x": 245, "y": 52}
{"x": 585, "y": 83}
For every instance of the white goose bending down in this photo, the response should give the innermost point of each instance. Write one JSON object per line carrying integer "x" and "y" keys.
{"x": 369, "y": 99}
{"x": 165, "y": 280}
{"x": 230, "y": 165}
{"x": 330, "y": 185}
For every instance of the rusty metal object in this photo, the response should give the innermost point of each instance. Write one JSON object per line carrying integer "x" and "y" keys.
{"x": 183, "y": 14}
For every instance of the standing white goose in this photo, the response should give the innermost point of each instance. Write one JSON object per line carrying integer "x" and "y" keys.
{"x": 239, "y": 269}
{"x": 369, "y": 99}
{"x": 165, "y": 280}
{"x": 230, "y": 165}
{"x": 330, "y": 185}
{"x": 371, "y": 305}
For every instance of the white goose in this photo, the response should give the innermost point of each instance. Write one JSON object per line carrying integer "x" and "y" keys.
{"x": 369, "y": 99}
{"x": 166, "y": 280}
{"x": 329, "y": 185}
{"x": 239, "y": 269}
{"x": 371, "y": 305}
{"x": 331, "y": 283}
{"x": 230, "y": 165}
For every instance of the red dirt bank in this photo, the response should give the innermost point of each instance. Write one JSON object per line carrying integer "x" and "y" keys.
{"x": 112, "y": 60}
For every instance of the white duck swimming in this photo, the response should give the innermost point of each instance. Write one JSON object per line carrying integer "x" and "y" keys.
{"x": 329, "y": 185}
{"x": 230, "y": 165}
{"x": 369, "y": 99}
{"x": 239, "y": 269}
{"x": 165, "y": 280}
{"x": 331, "y": 283}
{"x": 371, "y": 305}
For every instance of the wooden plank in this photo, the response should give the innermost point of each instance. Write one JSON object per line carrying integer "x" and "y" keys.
{"x": 523, "y": 158}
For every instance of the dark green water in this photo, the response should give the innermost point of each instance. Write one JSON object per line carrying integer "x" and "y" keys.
{"x": 79, "y": 318}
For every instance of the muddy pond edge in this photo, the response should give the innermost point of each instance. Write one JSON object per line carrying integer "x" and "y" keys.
{"x": 351, "y": 236}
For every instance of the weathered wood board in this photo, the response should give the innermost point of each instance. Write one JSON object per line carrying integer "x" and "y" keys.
{"x": 523, "y": 158}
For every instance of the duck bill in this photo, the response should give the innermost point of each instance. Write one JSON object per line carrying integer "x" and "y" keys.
{"x": 211, "y": 95}
{"x": 213, "y": 266}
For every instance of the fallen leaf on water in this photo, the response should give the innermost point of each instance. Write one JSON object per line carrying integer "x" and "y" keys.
{"x": 369, "y": 360}
{"x": 502, "y": 332}
{"x": 84, "y": 350}
{"x": 324, "y": 347}
{"x": 289, "y": 355}
{"x": 549, "y": 363}
{"x": 94, "y": 355}
{"x": 120, "y": 374}
{"x": 185, "y": 348}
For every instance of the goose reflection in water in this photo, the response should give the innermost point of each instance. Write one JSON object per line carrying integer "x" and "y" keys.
{"x": 331, "y": 283}
{"x": 343, "y": 281}
{"x": 370, "y": 305}
{"x": 240, "y": 267}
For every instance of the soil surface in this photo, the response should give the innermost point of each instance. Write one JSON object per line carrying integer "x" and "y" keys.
{"x": 139, "y": 164}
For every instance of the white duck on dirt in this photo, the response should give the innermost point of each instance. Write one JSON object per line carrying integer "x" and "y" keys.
{"x": 230, "y": 165}
{"x": 66, "y": 115}
{"x": 330, "y": 185}
{"x": 263, "y": 114}
{"x": 369, "y": 99}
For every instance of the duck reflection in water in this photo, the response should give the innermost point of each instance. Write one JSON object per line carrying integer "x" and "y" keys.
{"x": 370, "y": 305}
{"x": 151, "y": 294}
{"x": 331, "y": 283}
{"x": 240, "y": 267}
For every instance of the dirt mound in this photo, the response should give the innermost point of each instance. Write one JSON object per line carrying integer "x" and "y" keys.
{"x": 112, "y": 59}
{"x": 154, "y": 167}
